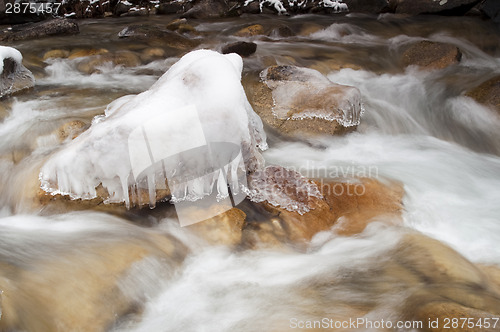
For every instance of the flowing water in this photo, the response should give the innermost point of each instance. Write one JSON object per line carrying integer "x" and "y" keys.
{"x": 73, "y": 269}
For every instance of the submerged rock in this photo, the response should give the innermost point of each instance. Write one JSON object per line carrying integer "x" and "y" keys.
{"x": 14, "y": 76}
{"x": 487, "y": 93}
{"x": 194, "y": 127}
{"x": 85, "y": 261}
{"x": 93, "y": 64}
{"x": 300, "y": 101}
{"x": 58, "y": 26}
{"x": 250, "y": 31}
{"x": 431, "y": 55}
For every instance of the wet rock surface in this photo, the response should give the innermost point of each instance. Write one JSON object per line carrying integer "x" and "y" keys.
{"x": 52, "y": 27}
{"x": 163, "y": 35}
{"x": 431, "y": 55}
{"x": 242, "y": 48}
{"x": 487, "y": 93}
{"x": 14, "y": 77}
{"x": 299, "y": 101}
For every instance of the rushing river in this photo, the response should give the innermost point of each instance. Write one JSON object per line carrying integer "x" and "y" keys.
{"x": 137, "y": 270}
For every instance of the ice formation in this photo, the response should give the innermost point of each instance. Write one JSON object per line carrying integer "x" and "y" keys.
{"x": 284, "y": 188}
{"x": 303, "y": 93}
{"x": 13, "y": 75}
{"x": 193, "y": 127}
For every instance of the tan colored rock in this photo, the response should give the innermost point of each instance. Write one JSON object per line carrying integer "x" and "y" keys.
{"x": 250, "y": 31}
{"x": 348, "y": 207}
{"x": 180, "y": 25}
{"x": 487, "y": 93}
{"x": 152, "y": 53}
{"x": 431, "y": 55}
{"x": 71, "y": 129}
{"x": 492, "y": 273}
{"x": 444, "y": 312}
{"x": 355, "y": 204}
{"x": 54, "y": 54}
{"x": 435, "y": 262}
{"x": 79, "y": 53}
{"x": 121, "y": 58}
{"x": 223, "y": 229}
{"x": 126, "y": 59}
{"x": 302, "y": 102}
{"x": 80, "y": 289}
{"x": 309, "y": 28}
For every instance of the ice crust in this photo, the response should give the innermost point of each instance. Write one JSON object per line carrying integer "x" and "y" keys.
{"x": 345, "y": 107}
{"x": 202, "y": 91}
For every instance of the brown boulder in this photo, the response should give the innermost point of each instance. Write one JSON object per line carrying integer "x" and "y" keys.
{"x": 180, "y": 25}
{"x": 71, "y": 129}
{"x": 122, "y": 58}
{"x": 300, "y": 101}
{"x": 54, "y": 54}
{"x": 80, "y": 53}
{"x": 431, "y": 55}
{"x": 223, "y": 229}
{"x": 250, "y": 31}
{"x": 86, "y": 287}
{"x": 299, "y": 208}
{"x": 488, "y": 93}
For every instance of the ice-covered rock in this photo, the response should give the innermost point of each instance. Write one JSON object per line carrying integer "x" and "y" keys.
{"x": 296, "y": 100}
{"x": 13, "y": 75}
{"x": 194, "y": 128}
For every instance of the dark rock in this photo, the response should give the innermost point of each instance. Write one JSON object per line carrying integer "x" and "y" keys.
{"x": 87, "y": 9}
{"x": 242, "y": 48}
{"x": 207, "y": 9}
{"x": 252, "y": 8}
{"x": 121, "y": 8}
{"x": 491, "y": 8}
{"x": 168, "y": 38}
{"x": 367, "y": 6}
{"x": 172, "y": 8}
{"x": 444, "y": 7}
{"x": 488, "y": 93}
{"x": 284, "y": 31}
{"x": 58, "y": 26}
{"x": 180, "y": 25}
{"x": 431, "y": 55}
